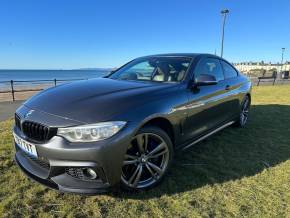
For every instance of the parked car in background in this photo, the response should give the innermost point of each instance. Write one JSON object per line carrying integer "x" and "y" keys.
{"x": 90, "y": 136}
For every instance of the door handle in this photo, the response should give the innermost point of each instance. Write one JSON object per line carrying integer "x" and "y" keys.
{"x": 228, "y": 87}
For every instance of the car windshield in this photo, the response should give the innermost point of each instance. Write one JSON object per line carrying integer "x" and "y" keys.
{"x": 155, "y": 69}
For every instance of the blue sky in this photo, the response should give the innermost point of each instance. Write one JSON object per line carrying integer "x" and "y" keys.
{"x": 69, "y": 34}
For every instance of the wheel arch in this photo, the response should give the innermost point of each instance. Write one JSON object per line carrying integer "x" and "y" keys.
{"x": 249, "y": 95}
{"x": 163, "y": 123}
{"x": 246, "y": 95}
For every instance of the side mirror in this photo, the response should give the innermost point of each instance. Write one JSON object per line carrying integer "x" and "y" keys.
{"x": 205, "y": 80}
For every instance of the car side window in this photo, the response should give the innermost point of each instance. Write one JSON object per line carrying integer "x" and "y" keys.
{"x": 229, "y": 71}
{"x": 210, "y": 66}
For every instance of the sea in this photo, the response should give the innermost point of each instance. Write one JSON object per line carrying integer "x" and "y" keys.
{"x": 29, "y": 78}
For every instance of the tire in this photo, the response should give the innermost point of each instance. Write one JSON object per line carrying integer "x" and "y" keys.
{"x": 143, "y": 167}
{"x": 244, "y": 112}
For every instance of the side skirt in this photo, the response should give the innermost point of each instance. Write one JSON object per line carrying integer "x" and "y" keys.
{"x": 208, "y": 134}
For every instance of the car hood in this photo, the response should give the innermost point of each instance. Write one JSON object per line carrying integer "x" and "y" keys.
{"x": 93, "y": 100}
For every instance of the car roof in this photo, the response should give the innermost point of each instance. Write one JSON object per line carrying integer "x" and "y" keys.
{"x": 190, "y": 55}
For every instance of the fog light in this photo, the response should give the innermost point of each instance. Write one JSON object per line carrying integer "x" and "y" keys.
{"x": 82, "y": 173}
{"x": 90, "y": 173}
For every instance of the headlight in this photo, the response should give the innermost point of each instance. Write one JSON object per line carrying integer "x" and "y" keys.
{"x": 91, "y": 132}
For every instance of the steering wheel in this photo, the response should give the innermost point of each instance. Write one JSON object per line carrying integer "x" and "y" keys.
{"x": 129, "y": 76}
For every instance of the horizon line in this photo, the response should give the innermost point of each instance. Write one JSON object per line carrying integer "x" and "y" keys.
{"x": 82, "y": 68}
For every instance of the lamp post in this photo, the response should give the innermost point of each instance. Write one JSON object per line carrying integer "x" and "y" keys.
{"x": 283, "y": 50}
{"x": 224, "y": 14}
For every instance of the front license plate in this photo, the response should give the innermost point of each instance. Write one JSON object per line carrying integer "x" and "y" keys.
{"x": 25, "y": 146}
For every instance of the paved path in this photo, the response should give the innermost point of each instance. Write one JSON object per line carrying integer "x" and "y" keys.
{"x": 8, "y": 108}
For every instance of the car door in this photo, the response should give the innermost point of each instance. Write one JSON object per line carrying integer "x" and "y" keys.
{"x": 207, "y": 107}
{"x": 233, "y": 83}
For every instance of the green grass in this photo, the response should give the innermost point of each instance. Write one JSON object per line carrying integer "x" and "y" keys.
{"x": 236, "y": 173}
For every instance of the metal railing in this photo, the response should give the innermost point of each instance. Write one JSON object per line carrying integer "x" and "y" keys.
{"x": 13, "y": 90}
{"x": 255, "y": 80}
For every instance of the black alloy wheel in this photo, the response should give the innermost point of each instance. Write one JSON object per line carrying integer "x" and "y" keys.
{"x": 244, "y": 113}
{"x": 147, "y": 159}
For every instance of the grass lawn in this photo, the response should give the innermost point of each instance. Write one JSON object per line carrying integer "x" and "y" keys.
{"x": 238, "y": 172}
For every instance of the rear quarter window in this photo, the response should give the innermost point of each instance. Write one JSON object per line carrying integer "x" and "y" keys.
{"x": 229, "y": 71}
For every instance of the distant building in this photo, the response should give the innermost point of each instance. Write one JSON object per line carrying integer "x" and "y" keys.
{"x": 249, "y": 66}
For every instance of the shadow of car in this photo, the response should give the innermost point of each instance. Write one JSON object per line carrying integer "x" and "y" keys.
{"x": 230, "y": 155}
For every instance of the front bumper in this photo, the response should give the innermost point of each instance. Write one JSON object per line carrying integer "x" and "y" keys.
{"x": 58, "y": 155}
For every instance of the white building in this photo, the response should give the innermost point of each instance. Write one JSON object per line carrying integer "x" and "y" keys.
{"x": 248, "y": 66}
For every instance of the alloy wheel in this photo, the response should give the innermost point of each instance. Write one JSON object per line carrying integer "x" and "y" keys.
{"x": 145, "y": 162}
{"x": 245, "y": 112}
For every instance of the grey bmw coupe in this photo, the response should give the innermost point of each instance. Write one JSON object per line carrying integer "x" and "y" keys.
{"x": 90, "y": 136}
